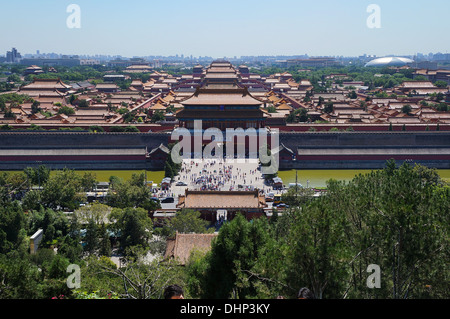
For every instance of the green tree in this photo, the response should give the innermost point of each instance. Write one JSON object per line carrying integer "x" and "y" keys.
{"x": 197, "y": 267}
{"x": 35, "y": 107}
{"x": 66, "y": 110}
{"x": 2, "y": 106}
{"x": 303, "y": 115}
{"x": 321, "y": 100}
{"x": 12, "y": 224}
{"x": 168, "y": 170}
{"x": 318, "y": 253}
{"x": 329, "y": 107}
{"x": 297, "y": 196}
{"x": 83, "y": 103}
{"x": 34, "y": 127}
{"x": 37, "y": 176}
{"x": 6, "y": 127}
{"x": 392, "y": 219}
{"x": 13, "y": 78}
{"x": 157, "y": 117}
{"x": 58, "y": 267}
{"x": 63, "y": 189}
{"x": 352, "y": 95}
{"x": 143, "y": 280}
{"x": 97, "y": 281}
{"x": 171, "y": 169}
{"x": 20, "y": 278}
{"x": 96, "y": 128}
{"x": 97, "y": 212}
{"x": 132, "y": 193}
{"x": 72, "y": 99}
{"x": 88, "y": 181}
{"x": 32, "y": 200}
{"x": 442, "y": 107}
{"x": 132, "y": 129}
{"x": 135, "y": 227}
{"x": 406, "y": 109}
{"x": 95, "y": 216}
{"x": 272, "y": 109}
{"x": 9, "y": 113}
{"x": 104, "y": 246}
{"x": 54, "y": 224}
{"x": 291, "y": 118}
{"x": 113, "y": 181}
{"x": 117, "y": 129}
{"x": 233, "y": 255}
{"x": 441, "y": 84}
{"x": 91, "y": 238}
{"x": 188, "y": 221}
{"x": 413, "y": 226}
{"x": 439, "y": 96}
{"x": 70, "y": 246}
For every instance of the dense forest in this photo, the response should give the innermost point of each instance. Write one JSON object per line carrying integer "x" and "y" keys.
{"x": 396, "y": 218}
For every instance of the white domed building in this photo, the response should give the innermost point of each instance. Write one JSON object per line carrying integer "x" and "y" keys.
{"x": 389, "y": 61}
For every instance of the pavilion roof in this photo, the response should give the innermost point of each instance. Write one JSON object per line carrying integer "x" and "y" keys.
{"x": 183, "y": 244}
{"x": 233, "y": 114}
{"x": 157, "y": 106}
{"x": 284, "y": 106}
{"x": 225, "y": 95}
{"x": 45, "y": 84}
{"x": 223, "y": 199}
{"x": 417, "y": 84}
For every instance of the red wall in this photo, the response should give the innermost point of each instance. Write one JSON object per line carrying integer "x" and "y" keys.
{"x": 361, "y": 127}
{"x": 144, "y": 128}
{"x": 370, "y": 157}
{"x": 283, "y": 128}
{"x": 73, "y": 158}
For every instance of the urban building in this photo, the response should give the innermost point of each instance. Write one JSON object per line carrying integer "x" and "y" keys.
{"x": 69, "y": 62}
{"x": 13, "y": 56}
{"x": 389, "y": 61}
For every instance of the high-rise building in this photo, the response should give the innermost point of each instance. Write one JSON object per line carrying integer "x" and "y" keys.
{"x": 13, "y": 56}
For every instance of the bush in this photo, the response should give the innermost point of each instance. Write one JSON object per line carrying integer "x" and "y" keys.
{"x": 6, "y": 127}
{"x": 66, "y": 110}
{"x": 131, "y": 128}
{"x": 117, "y": 129}
{"x": 442, "y": 107}
{"x": 96, "y": 128}
{"x": 83, "y": 103}
{"x": 406, "y": 109}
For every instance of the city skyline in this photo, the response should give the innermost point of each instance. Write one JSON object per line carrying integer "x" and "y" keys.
{"x": 207, "y": 28}
{"x": 37, "y": 53}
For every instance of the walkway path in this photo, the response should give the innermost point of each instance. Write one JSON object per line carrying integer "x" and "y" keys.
{"x": 223, "y": 175}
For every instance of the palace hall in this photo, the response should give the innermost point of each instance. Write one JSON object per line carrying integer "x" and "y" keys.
{"x": 221, "y": 102}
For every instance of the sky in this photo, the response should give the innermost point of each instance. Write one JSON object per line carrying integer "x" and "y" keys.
{"x": 225, "y": 28}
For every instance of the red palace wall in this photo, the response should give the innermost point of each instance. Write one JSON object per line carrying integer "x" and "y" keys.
{"x": 361, "y": 127}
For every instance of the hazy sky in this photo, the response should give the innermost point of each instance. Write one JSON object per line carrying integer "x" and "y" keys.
{"x": 225, "y": 28}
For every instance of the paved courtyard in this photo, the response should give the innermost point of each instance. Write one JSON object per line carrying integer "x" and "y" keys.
{"x": 216, "y": 174}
